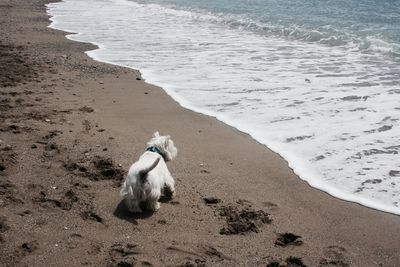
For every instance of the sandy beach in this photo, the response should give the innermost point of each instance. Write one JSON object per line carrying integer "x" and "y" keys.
{"x": 70, "y": 127}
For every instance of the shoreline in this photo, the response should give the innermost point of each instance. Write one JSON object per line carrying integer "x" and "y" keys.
{"x": 302, "y": 168}
{"x": 82, "y": 115}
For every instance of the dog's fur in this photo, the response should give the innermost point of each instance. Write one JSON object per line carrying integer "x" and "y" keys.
{"x": 149, "y": 177}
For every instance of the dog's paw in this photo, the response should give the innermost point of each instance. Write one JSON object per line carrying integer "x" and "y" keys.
{"x": 157, "y": 206}
{"x": 169, "y": 192}
{"x": 154, "y": 206}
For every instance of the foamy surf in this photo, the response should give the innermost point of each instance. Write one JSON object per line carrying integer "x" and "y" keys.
{"x": 332, "y": 112}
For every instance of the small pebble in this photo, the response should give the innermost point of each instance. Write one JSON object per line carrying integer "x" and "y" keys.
{"x": 27, "y": 247}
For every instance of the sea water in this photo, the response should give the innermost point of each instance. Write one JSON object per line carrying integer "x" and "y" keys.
{"x": 317, "y": 81}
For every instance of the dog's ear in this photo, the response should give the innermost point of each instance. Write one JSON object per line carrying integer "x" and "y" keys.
{"x": 156, "y": 134}
{"x": 167, "y": 138}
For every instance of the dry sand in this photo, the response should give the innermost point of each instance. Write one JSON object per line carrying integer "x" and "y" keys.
{"x": 70, "y": 127}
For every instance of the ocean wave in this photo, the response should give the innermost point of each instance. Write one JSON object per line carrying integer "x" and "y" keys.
{"x": 327, "y": 35}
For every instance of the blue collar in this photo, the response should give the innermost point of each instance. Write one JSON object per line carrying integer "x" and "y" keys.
{"x": 155, "y": 150}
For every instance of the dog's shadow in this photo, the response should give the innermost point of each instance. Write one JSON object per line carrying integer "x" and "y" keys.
{"x": 122, "y": 212}
{"x": 165, "y": 199}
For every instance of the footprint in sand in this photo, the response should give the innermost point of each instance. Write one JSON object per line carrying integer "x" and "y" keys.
{"x": 50, "y": 150}
{"x": 215, "y": 254}
{"x": 91, "y": 216}
{"x": 74, "y": 240}
{"x": 335, "y": 256}
{"x": 289, "y": 262}
{"x": 87, "y": 126}
{"x": 270, "y": 206}
{"x": 3, "y": 226}
{"x": 194, "y": 263}
{"x": 63, "y": 201}
{"x": 123, "y": 254}
{"x": 95, "y": 248}
{"x": 8, "y": 194}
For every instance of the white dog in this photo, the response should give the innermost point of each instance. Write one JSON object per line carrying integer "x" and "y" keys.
{"x": 149, "y": 177}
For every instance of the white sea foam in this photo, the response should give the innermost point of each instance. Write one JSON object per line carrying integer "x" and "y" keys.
{"x": 332, "y": 113}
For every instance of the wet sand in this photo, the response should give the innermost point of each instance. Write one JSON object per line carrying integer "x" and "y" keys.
{"x": 69, "y": 129}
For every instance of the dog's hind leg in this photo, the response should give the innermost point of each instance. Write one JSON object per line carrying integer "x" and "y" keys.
{"x": 152, "y": 201}
{"x": 169, "y": 188}
{"x": 154, "y": 205}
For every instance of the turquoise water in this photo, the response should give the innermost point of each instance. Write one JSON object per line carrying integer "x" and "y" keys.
{"x": 316, "y": 81}
{"x": 365, "y": 25}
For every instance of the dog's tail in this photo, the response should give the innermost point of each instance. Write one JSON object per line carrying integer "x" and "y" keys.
{"x": 143, "y": 173}
{"x": 126, "y": 190}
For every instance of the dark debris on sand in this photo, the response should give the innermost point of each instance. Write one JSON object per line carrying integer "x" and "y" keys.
{"x": 193, "y": 263}
{"x": 29, "y": 247}
{"x": 86, "y": 109}
{"x": 243, "y": 220}
{"x": 106, "y": 169}
{"x": 286, "y": 239}
{"x": 211, "y": 200}
{"x": 97, "y": 169}
{"x": 240, "y": 218}
{"x": 289, "y": 262}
